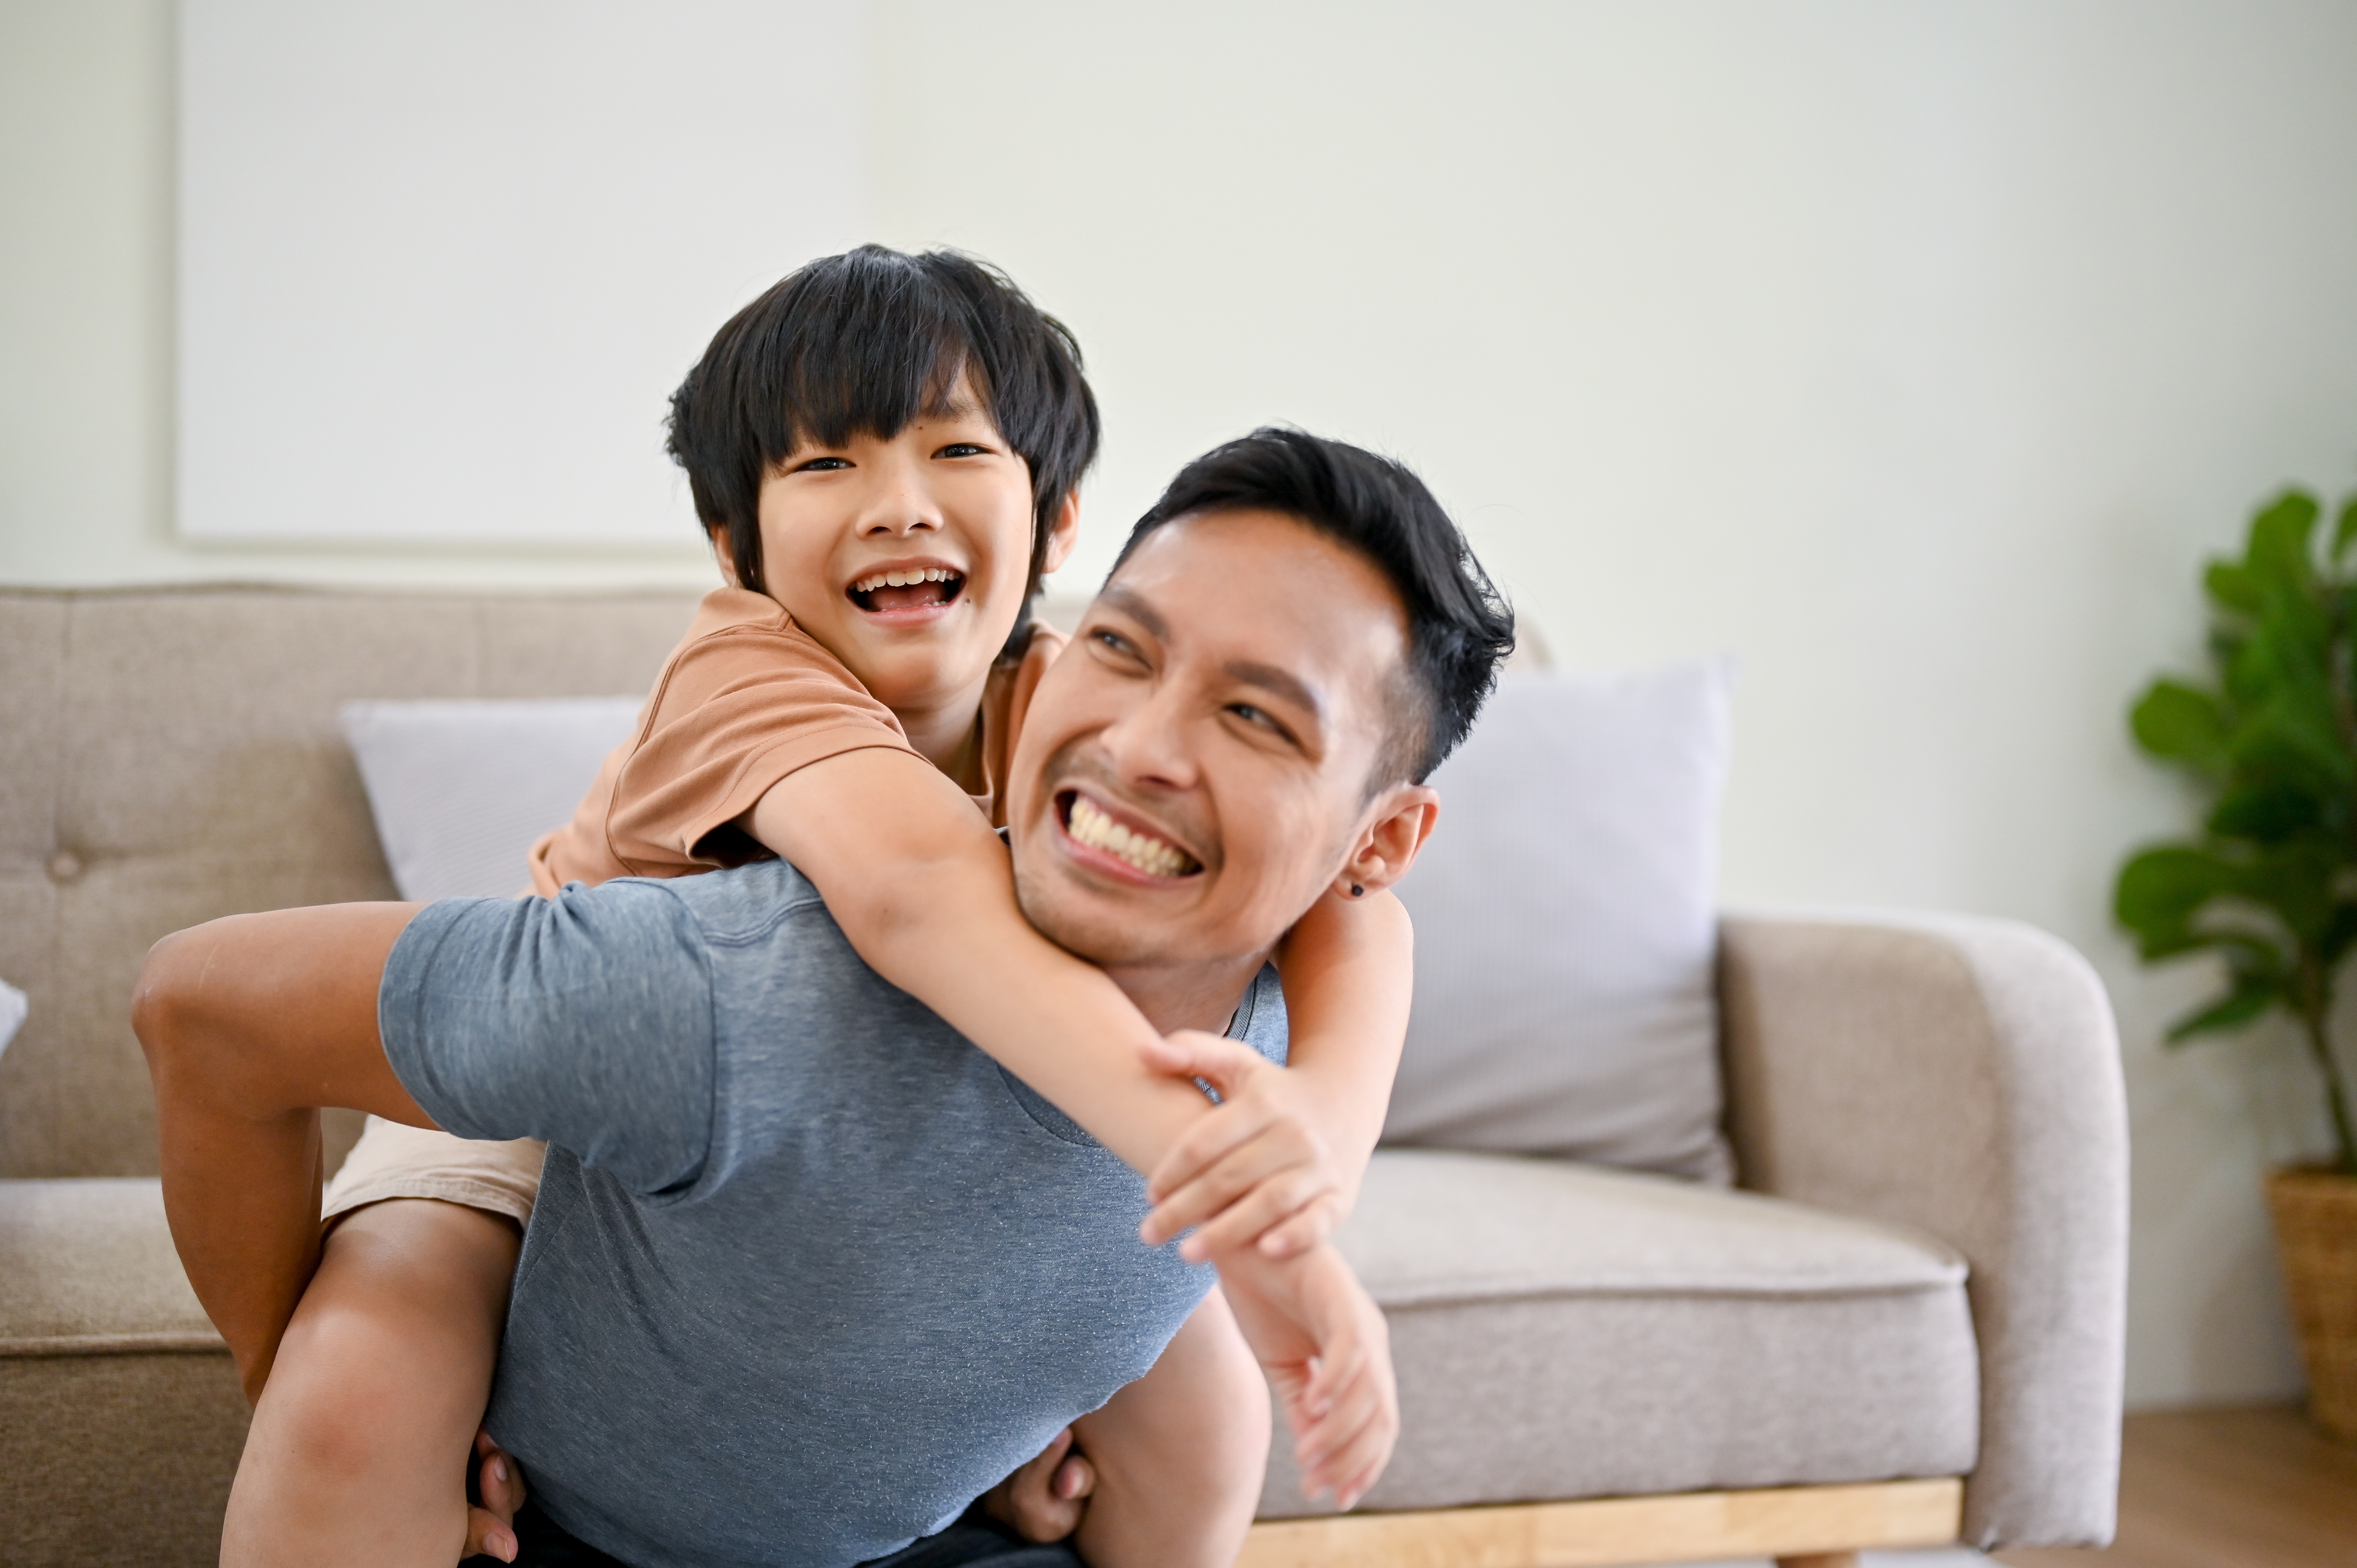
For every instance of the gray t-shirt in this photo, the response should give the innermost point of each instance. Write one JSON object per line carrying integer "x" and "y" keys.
{"x": 809, "y": 1271}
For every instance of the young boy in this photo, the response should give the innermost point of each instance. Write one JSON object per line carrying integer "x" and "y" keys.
{"x": 885, "y": 450}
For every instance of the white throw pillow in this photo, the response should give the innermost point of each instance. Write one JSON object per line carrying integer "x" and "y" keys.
{"x": 1565, "y": 927}
{"x": 460, "y": 790}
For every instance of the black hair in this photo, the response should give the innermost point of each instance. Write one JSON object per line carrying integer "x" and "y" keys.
{"x": 864, "y": 343}
{"x": 1459, "y": 626}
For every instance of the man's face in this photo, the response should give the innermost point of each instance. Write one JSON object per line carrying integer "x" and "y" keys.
{"x": 1192, "y": 772}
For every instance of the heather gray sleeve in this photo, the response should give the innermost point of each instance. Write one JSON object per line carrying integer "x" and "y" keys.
{"x": 583, "y": 1019}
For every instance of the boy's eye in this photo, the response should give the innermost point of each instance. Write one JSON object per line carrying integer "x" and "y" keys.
{"x": 822, "y": 465}
{"x": 961, "y": 450}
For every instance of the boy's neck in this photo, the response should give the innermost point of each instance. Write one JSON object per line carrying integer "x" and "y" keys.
{"x": 949, "y": 737}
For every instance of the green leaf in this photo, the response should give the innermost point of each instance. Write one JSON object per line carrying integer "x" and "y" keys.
{"x": 2231, "y": 587}
{"x": 2345, "y": 529}
{"x": 2245, "y": 1004}
{"x": 2280, "y": 554}
{"x": 2161, "y": 889}
{"x": 2269, "y": 814}
{"x": 2177, "y": 720}
{"x": 2294, "y": 882}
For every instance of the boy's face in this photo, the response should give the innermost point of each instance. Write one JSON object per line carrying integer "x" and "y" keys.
{"x": 908, "y": 557}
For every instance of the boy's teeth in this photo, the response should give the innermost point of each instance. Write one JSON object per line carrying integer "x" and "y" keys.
{"x": 908, "y": 579}
{"x": 1144, "y": 851}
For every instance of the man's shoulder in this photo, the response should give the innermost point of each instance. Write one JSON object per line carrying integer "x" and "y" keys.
{"x": 743, "y": 902}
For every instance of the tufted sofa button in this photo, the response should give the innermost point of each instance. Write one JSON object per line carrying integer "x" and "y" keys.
{"x": 65, "y": 866}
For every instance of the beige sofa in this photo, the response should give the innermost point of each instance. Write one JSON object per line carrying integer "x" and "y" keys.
{"x": 1906, "y": 1329}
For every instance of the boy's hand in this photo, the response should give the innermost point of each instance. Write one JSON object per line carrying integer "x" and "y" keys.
{"x": 490, "y": 1528}
{"x": 1256, "y": 1172}
{"x": 1326, "y": 1351}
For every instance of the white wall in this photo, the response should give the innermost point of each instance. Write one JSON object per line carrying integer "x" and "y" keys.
{"x": 1917, "y": 353}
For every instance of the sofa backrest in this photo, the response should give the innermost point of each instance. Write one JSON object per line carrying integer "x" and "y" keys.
{"x": 171, "y": 756}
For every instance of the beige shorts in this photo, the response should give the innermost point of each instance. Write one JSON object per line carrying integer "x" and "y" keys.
{"x": 394, "y": 1160}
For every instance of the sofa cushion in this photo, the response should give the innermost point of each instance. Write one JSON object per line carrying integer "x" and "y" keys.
{"x": 461, "y": 789}
{"x": 1565, "y": 927}
{"x": 88, "y": 1266}
{"x": 1563, "y": 1332}
{"x": 121, "y": 1420}
{"x": 173, "y": 756}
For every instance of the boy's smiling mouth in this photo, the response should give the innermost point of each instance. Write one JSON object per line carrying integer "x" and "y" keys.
{"x": 1091, "y": 826}
{"x": 915, "y": 588}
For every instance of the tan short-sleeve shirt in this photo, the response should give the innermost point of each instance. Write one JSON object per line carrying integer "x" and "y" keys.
{"x": 746, "y": 699}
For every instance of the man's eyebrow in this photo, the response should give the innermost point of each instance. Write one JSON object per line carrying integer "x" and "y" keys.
{"x": 1284, "y": 683}
{"x": 1132, "y": 604}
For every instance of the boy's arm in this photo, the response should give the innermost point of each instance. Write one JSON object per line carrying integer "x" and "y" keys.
{"x": 250, "y": 1024}
{"x": 923, "y": 890}
{"x": 1279, "y": 1164}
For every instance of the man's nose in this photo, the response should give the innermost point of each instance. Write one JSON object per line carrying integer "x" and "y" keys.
{"x": 1148, "y": 744}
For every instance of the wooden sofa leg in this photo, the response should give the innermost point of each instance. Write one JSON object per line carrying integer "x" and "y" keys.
{"x": 1819, "y": 1560}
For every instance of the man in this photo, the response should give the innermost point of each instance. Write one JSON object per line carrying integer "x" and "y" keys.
{"x": 808, "y": 1273}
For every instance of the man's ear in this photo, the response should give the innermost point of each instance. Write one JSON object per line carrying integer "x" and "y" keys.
{"x": 1387, "y": 845}
{"x": 1062, "y": 533}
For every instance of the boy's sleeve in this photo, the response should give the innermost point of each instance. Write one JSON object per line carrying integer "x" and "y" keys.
{"x": 734, "y": 714}
{"x": 583, "y": 1019}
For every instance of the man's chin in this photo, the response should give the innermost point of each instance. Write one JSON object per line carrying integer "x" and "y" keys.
{"x": 1084, "y": 923}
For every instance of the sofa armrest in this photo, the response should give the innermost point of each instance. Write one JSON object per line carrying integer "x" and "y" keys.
{"x": 1960, "y": 1076}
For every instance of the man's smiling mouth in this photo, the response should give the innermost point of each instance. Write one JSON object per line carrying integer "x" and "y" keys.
{"x": 916, "y": 588}
{"x": 1155, "y": 856}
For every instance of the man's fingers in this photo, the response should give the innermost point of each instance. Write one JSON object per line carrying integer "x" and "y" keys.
{"x": 1075, "y": 1478}
{"x": 499, "y": 1480}
{"x": 1042, "y": 1501}
{"x": 487, "y": 1536}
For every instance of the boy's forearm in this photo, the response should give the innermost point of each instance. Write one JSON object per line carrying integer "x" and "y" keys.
{"x": 250, "y": 1024}
{"x": 1348, "y": 972}
{"x": 931, "y": 908}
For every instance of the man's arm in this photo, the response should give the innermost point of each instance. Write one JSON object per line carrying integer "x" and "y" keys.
{"x": 251, "y": 1024}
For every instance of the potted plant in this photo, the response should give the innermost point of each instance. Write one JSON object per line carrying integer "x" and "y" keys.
{"x": 2270, "y": 882}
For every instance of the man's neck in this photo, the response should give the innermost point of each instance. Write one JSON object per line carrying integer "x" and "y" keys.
{"x": 1195, "y": 995}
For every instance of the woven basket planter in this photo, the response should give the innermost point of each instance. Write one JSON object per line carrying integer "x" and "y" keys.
{"x": 2316, "y": 1231}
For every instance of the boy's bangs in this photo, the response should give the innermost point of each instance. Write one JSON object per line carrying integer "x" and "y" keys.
{"x": 872, "y": 367}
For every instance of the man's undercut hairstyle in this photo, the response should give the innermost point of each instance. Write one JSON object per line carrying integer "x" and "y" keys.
{"x": 1459, "y": 627}
{"x": 864, "y": 343}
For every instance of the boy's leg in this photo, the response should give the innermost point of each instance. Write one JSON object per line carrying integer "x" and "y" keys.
{"x": 360, "y": 1441}
{"x": 1180, "y": 1455}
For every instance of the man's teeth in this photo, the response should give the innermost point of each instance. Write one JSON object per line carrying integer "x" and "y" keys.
{"x": 1144, "y": 851}
{"x": 904, "y": 579}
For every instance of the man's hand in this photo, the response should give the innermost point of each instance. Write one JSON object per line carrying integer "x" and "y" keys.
{"x": 1326, "y": 1349}
{"x": 1257, "y": 1172}
{"x": 499, "y": 1481}
{"x": 1044, "y": 1501}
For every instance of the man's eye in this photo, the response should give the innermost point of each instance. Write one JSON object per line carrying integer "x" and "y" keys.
{"x": 1250, "y": 715}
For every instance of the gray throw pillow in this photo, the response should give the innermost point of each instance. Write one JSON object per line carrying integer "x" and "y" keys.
{"x": 1565, "y": 927}
{"x": 460, "y": 790}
